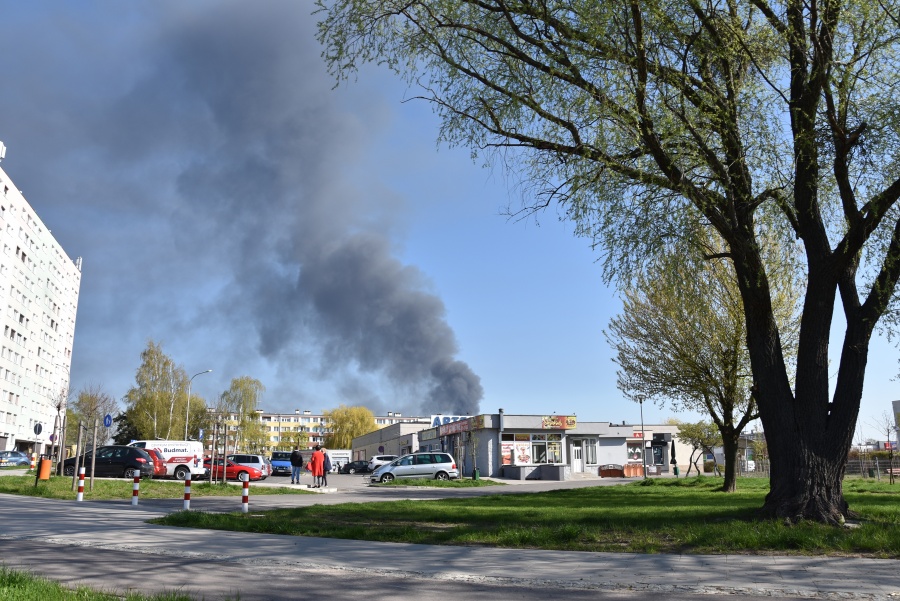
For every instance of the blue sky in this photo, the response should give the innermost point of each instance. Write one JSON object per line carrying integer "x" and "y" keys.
{"x": 196, "y": 156}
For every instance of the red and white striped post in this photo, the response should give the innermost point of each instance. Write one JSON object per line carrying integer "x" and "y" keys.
{"x": 187, "y": 491}
{"x": 80, "y": 496}
{"x": 136, "y": 490}
{"x": 245, "y": 500}
{"x": 33, "y": 460}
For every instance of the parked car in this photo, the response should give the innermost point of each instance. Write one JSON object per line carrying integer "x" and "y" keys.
{"x": 159, "y": 464}
{"x": 114, "y": 461}
{"x": 379, "y": 460}
{"x": 356, "y": 467}
{"x": 182, "y": 457}
{"x": 281, "y": 463}
{"x": 233, "y": 471}
{"x": 260, "y": 462}
{"x": 8, "y": 458}
{"x": 440, "y": 466}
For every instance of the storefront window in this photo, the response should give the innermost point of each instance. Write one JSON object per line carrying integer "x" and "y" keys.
{"x": 634, "y": 451}
{"x": 539, "y": 452}
{"x": 590, "y": 452}
{"x": 554, "y": 452}
{"x": 523, "y": 448}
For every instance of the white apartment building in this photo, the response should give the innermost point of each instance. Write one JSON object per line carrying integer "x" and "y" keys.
{"x": 39, "y": 287}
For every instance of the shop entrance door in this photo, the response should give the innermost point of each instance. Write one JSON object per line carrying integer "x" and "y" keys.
{"x": 577, "y": 463}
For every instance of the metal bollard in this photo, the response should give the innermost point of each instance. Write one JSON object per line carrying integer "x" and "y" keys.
{"x": 245, "y": 500}
{"x": 187, "y": 491}
{"x": 135, "y": 491}
{"x": 80, "y": 496}
{"x": 33, "y": 460}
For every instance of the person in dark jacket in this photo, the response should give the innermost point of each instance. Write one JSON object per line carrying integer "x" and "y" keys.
{"x": 296, "y": 465}
{"x": 326, "y": 467}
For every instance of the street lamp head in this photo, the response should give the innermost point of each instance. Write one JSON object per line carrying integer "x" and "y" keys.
{"x": 187, "y": 405}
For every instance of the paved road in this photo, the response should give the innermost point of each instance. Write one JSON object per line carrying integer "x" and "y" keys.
{"x": 110, "y": 545}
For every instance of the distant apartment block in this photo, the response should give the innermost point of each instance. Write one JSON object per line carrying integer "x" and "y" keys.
{"x": 39, "y": 287}
{"x": 280, "y": 430}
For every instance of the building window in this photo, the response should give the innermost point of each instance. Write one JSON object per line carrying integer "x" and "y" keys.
{"x": 634, "y": 451}
{"x": 590, "y": 451}
{"x": 524, "y": 449}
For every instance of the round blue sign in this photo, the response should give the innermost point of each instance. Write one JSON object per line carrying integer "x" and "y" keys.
{"x": 107, "y": 421}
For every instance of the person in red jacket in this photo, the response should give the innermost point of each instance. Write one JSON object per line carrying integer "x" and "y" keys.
{"x": 317, "y": 466}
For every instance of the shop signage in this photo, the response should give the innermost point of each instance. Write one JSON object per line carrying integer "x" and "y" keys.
{"x": 440, "y": 420}
{"x": 454, "y": 427}
{"x": 558, "y": 422}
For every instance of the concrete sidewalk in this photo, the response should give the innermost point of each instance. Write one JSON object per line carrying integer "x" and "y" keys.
{"x": 117, "y": 526}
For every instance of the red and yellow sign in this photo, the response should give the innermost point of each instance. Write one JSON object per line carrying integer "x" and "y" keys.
{"x": 558, "y": 422}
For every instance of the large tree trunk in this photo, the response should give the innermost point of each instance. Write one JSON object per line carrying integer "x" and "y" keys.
{"x": 808, "y": 432}
{"x": 808, "y": 487}
{"x": 810, "y": 438}
{"x": 730, "y": 449}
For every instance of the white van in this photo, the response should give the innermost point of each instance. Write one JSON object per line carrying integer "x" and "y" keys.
{"x": 181, "y": 456}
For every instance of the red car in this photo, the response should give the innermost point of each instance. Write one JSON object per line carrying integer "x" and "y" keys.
{"x": 159, "y": 464}
{"x": 233, "y": 471}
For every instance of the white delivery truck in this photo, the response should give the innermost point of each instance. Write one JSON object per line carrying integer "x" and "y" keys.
{"x": 181, "y": 456}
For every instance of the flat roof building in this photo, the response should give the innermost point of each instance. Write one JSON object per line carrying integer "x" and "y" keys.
{"x": 39, "y": 287}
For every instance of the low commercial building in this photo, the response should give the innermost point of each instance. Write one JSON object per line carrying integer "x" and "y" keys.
{"x": 545, "y": 447}
{"x": 397, "y": 439}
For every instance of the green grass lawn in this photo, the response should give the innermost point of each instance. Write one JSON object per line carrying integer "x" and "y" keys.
{"x": 16, "y": 585}
{"x": 60, "y": 487}
{"x": 659, "y": 516}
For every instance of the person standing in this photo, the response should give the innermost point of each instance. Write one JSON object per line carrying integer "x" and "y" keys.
{"x": 296, "y": 465}
{"x": 317, "y": 466}
{"x": 326, "y": 467}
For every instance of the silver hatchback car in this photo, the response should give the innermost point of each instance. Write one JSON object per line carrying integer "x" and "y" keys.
{"x": 440, "y": 466}
{"x": 260, "y": 462}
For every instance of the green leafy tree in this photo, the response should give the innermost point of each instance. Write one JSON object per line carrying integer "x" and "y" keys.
{"x": 126, "y": 431}
{"x": 702, "y": 437}
{"x": 345, "y": 424}
{"x": 155, "y": 402}
{"x": 680, "y": 339}
{"x": 89, "y": 405}
{"x": 240, "y": 403}
{"x": 288, "y": 441}
{"x": 768, "y": 119}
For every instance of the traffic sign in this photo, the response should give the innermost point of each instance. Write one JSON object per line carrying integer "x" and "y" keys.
{"x": 201, "y": 434}
{"x": 38, "y": 429}
{"x": 107, "y": 421}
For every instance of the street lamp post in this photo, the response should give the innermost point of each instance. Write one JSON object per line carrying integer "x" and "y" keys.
{"x": 187, "y": 406}
{"x": 640, "y": 399}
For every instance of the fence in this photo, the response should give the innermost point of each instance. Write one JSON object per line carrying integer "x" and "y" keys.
{"x": 864, "y": 467}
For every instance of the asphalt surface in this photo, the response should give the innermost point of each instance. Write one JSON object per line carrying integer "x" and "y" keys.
{"x": 109, "y": 545}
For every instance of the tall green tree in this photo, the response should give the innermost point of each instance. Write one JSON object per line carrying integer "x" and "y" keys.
{"x": 89, "y": 405}
{"x": 240, "y": 403}
{"x": 346, "y": 423}
{"x": 156, "y": 402}
{"x": 769, "y": 118}
{"x": 681, "y": 339}
{"x": 288, "y": 441}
